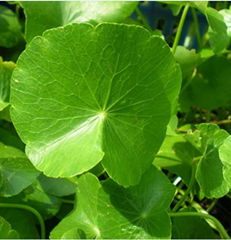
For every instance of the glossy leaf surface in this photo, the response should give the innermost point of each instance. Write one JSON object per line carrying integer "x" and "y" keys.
{"x": 119, "y": 95}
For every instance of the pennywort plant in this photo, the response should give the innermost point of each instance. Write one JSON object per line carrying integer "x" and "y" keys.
{"x": 109, "y": 128}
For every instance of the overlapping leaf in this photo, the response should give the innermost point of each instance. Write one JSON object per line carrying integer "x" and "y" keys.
{"x": 41, "y": 16}
{"x": 16, "y": 171}
{"x": 94, "y": 94}
{"x": 110, "y": 211}
{"x": 177, "y": 154}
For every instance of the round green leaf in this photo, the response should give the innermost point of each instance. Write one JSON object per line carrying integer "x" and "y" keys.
{"x": 210, "y": 170}
{"x": 16, "y": 171}
{"x": 137, "y": 212}
{"x": 94, "y": 94}
{"x": 41, "y": 16}
{"x": 6, "y": 232}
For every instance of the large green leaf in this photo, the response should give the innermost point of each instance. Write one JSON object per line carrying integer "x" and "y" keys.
{"x": 10, "y": 28}
{"x": 210, "y": 88}
{"x": 16, "y": 171}
{"x": 6, "y": 69}
{"x": 111, "y": 211}
{"x": 41, "y": 16}
{"x": 6, "y": 232}
{"x": 210, "y": 172}
{"x": 94, "y": 94}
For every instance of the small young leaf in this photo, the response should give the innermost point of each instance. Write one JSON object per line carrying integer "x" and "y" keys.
{"x": 210, "y": 170}
{"x": 94, "y": 94}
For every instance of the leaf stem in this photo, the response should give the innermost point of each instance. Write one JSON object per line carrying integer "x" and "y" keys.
{"x": 143, "y": 19}
{"x": 196, "y": 26}
{"x": 219, "y": 226}
{"x": 67, "y": 201}
{"x": 184, "y": 197}
{"x": 212, "y": 205}
{"x": 29, "y": 209}
{"x": 180, "y": 27}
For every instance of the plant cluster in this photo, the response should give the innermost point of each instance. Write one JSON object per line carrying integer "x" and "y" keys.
{"x": 111, "y": 129}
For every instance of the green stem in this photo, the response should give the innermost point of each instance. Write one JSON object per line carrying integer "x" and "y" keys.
{"x": 180, "y": 27}
{"x": 143, "y": 19}
{"x": 219, "y": 226}
{"x": 196, "y": 24}
{"x": 67, "y": 201}
{"x": 30, "y": 209}
{"x": 184, "y": 197}
{"x": 212, "y": 205}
